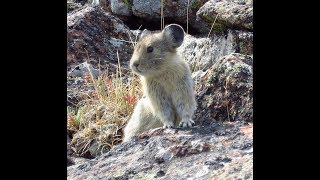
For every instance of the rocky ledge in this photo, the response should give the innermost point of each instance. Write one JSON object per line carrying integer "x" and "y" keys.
{"x": 207, "y": 151}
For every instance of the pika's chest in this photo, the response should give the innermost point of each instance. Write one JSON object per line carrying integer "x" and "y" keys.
{"x": 169, "y": 82}
{"x": 164, "y": 86}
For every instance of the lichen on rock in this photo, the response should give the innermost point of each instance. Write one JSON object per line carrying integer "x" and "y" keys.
{"x": 202, "y": 52}
{"x": 91, "y": 35}
{"x": 226, "y": 91}
{"x": 229, "y": 13}
{"x": 176, "y": 154}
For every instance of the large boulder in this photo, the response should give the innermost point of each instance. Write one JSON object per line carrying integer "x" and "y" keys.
{"x": 121, "y": 7}
{"x": 202, "y": 52}
{"x": 225, "y": 91}
{"x": 229, "y": 13}
{"x": 171, "y": 9}
{"x": 95, "y": 36}
{"x": 208, "y": 151}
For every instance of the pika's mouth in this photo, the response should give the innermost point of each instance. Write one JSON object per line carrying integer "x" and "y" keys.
{"x": 136, "y": 70}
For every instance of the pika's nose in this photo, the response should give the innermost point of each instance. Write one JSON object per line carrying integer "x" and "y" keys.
{"x": 136, "y": 64}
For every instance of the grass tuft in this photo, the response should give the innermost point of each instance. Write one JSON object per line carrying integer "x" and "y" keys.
{"x": 97, "y": 125}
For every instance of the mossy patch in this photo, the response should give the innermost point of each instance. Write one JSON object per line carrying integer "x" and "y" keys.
{"x": 196, "y": 4}
{"x": 129, "y": 3}
{"x": 219, "y": 25}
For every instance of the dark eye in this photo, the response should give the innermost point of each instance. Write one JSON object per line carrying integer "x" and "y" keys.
{"x": 149, "y": 49}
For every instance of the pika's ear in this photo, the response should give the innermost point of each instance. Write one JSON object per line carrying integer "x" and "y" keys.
{"x": 142, "y": 34}
{"x": 174, "y": 34}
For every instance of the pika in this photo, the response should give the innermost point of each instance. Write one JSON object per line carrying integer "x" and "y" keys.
{"x": 168, "y": 93}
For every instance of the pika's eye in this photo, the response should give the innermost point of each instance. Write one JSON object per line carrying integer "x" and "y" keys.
{"x": 149, "y": 49}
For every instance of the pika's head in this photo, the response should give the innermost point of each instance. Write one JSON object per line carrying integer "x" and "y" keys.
{"x": 154, "y": 51}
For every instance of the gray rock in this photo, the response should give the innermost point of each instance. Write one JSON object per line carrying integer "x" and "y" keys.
{"x": 96, "y": 36}
{"x": 146, "y": 9}
{"x": 245, "y": 42}
{"x": 121, "y": 7}
{"x": 95, "y": 2}
{"x": 71, "y": 6}
{"x": 163, "y": 155}
{"x": 69, "y": 161}
{"x": 225, "y": 92}
{"x": 197, "y": 153}
{"x": 174, "y": 10}
{"x": 83, "y": 68}
{"x": 201, "y": 53}
{"x": 231, "y": 13}
{"x": 198, "y": 14}
{"x": 197, "y": 76}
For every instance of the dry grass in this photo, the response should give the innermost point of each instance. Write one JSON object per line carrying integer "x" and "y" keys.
{"x": 97, "y": 125}
{"x": 212, "y": 25}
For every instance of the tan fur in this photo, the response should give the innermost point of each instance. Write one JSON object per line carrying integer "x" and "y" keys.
{"x": 168, "y": 95}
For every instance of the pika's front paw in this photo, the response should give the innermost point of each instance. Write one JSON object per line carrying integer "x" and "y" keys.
{"x": 186, "y": 123}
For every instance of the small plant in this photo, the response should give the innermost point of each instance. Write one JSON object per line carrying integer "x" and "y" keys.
{"x": 97, "y": 125}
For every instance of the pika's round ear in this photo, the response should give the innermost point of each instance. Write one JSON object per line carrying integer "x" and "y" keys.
{"x": 142, "y": 34}
{"x": 174, "y": 34}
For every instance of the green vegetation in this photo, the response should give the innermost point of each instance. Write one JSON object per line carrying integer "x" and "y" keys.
{"x": 218, "y": 26}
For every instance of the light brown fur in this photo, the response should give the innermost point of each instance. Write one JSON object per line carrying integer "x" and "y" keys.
{"x": 168, "y": 95}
